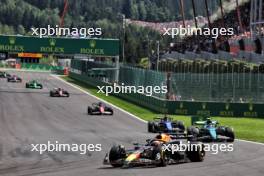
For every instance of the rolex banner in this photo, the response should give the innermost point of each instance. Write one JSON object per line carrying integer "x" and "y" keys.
{"x": 216, "y": 109}
{"x": 96, "y": 47}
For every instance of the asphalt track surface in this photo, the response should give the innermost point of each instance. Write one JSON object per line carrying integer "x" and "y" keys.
{"x": 31, "y": 116}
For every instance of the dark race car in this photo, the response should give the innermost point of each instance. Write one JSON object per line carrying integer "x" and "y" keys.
{"x": 59, "y": 92}
{"x": 157, "y": 152}
{"x": 100, "y": 109}
{"x": 14, "y": 79}
{"x": 209, "y": 131}
{"x": 165, "y": 125}
{"x": 34, "y": 85}
{"x": 4, "y": 75}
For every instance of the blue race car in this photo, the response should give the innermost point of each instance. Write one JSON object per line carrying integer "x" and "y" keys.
{"x": 209, "y": 131}
{"x": 165, "y": 125}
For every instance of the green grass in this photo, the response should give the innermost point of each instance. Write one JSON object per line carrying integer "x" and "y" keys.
{"x": 245, "y": 128}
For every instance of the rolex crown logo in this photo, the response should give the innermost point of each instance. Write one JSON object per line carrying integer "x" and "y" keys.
{"x": 92, "y": 43}
{"x": 204, "y": 106}
{"x": 52, "y": 42}
{"x": 227, "y": 106}
{"x": 251, "y": 107}
{"x": 12, "y": 40}
{"x": 181, "y": 105}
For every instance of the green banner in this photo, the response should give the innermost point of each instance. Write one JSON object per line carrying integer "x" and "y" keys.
{"x": 95, "y": 47}
{"x": 216, "y": 109}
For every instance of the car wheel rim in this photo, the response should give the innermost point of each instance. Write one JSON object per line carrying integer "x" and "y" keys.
{"x": 158, "y": 156}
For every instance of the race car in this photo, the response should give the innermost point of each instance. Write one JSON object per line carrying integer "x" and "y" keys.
{"x": 4, "y": 75}
{"x": 59, "y": 92}
{"x": 14, "y": 79}
{"x": 157, "y": 152}
{"x": 166, "y": 125}
{"x": 34, "y": 85}
{"x": 100, "y": 109}
{"x": 209, "y": 131}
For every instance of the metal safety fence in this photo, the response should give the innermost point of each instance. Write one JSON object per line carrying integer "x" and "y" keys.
{"x": 187, "y": 86}
{"x": 224, "y": 87}
{"x": 210, "y": 94}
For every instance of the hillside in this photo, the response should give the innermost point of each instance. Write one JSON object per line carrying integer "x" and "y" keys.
{"x": 18, "y": 16}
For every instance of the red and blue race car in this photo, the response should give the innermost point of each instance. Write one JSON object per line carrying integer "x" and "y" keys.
{"x": 100, "y": 109}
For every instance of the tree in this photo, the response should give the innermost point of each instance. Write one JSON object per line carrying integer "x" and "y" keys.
{"x": 21, "y": 30}
{"x": 142, "y": 11}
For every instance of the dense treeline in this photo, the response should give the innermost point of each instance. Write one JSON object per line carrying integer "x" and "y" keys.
{"x": 18, "y": 16}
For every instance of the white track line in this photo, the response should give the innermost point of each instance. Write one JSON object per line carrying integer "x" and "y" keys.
{"x": 132, "y": 115}
{"x": 258, "y": 143}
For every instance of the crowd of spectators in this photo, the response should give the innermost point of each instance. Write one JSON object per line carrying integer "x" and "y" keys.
{"x": 174, "y": 24}
{"x": 230, "y": 20}
{"x": 200, "y": 43}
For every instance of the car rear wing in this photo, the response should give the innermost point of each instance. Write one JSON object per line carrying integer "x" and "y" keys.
{"x": 157, "y": 118}
{"x": 178, "y": 135}
{"x": 198, "y": 120}
{"x": 160, "y": 118}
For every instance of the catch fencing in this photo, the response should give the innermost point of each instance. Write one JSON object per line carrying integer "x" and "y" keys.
{"x": 226, "y": 94}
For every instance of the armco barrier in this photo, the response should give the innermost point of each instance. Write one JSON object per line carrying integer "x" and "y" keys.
{"x": 216, "y": 109}
{"x": 182, "y": 107}
{"x": 40, "y": 67}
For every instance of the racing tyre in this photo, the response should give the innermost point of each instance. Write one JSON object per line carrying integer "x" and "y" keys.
{"x": 111, "y": 111}
{"x": 196, "y": 152}
{"x": 151, "y": 127}
{"x": 230, "y": 134}
{"x": 221, "y": 130}
{"x": 51, "y": 94}
{"x": 161, "y": 157}
{"x": 180, "y": 125}
{"x": 89, "y": 110}
{"x": 193, "y": 132}
{"x": 116, "y": 153}
{"x": 67, "y": 94}
{"x": 27, "y": 85}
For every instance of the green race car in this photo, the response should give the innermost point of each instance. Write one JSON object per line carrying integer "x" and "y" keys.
{"x": 34, "y": 85}
{"x": 205, "y": 129}
{"x": 4, "y": 74}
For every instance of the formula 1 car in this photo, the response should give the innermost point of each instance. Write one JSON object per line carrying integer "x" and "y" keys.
{"x": 100, "y": 109}
{"x": 34, "y": 85}
{"x": 157, "y": 152}
{"x": 165, "y": 125}
{"x": 14, "y": 79}
{"x": 4, "y": 75}
{"x": 59, "y": 92}
{"x": 209, "y": 131}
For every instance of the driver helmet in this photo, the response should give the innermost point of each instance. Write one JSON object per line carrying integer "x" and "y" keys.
{"x": 208, "y": 120}
{"x": 155, "y": 143}
{"x": 163, "y": 138}
{"x": 165, "y": 118}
